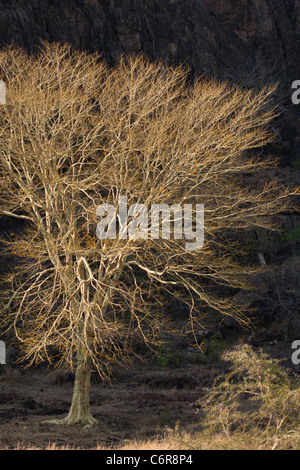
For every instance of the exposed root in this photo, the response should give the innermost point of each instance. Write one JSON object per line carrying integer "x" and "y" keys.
{"x": 83, "y": 421}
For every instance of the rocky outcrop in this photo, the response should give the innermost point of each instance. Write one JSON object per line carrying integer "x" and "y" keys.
{"x": 214, "y": 36}
{"x": 253, "y": 41}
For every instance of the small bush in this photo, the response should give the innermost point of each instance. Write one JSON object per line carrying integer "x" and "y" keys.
{"x": 257, "y": 397}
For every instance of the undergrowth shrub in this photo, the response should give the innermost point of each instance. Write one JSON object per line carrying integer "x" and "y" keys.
{"x": 257, "y": 397}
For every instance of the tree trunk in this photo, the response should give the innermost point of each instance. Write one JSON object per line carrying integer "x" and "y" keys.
{"x": 80, "y": 408}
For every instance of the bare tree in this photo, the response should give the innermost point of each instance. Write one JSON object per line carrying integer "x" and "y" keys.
{"x": 76, "y": 134}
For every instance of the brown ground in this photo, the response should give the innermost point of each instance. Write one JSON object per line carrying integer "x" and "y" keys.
{"x": 140, "y": 404}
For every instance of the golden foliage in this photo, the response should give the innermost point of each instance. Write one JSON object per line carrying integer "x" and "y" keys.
{"x": 75, "y": 134}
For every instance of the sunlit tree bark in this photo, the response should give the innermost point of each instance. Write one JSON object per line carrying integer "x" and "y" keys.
{"x": 75, "y": 134}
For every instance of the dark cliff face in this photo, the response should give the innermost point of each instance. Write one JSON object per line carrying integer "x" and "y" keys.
{"x": 215, "y": 36}
{"x": 253, "y": 41}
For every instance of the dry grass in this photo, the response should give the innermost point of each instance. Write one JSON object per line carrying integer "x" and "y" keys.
{"x": 195, "y": 442}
